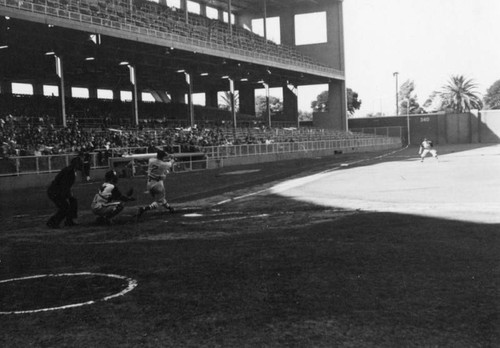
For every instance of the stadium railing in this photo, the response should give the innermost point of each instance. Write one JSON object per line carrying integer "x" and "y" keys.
{"x": 137, "y": 165}
{"x": 395, "y": 131}
{"x": 221, "y": 152}
{"x": 99, "y": 159}
{"x": 16, "y": 165}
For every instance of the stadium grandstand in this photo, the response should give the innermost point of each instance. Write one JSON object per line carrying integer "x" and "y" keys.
{"x": 119, "y": 77}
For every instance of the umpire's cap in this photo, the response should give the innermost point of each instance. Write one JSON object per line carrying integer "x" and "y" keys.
{"x": 76, "y": 163}
{"x": 161, "y": 154}
{"x": 111, "y": 176}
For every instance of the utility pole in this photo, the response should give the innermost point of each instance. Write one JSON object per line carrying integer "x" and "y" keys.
{"x": 397, "y": 93}
{"x": 408, "y": 120}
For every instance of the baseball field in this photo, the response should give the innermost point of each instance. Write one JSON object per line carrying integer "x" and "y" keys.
{"x": 353, "y": 250}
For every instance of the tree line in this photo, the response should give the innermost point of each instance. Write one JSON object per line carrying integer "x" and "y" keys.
{"x": 458, "y": 95}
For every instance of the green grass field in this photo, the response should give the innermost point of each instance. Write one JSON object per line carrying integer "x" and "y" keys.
{"x": 260, "y": 270}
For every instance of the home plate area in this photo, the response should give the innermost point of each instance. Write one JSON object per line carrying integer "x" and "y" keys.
{"x": 258, "y": 214}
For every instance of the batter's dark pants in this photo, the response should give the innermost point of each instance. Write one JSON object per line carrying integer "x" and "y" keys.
{"x": 67, "y": 208}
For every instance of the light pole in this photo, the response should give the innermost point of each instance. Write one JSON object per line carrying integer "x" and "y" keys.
{"x": 408, "y": 119}
{"x": 133, "y": 81}
{"x": 187, "y": 77}
{"x": 232, "y": 102}
{"x": 268, "y": 107}
{"x": 397, "y": 92}
{"x": 62, "y": 88}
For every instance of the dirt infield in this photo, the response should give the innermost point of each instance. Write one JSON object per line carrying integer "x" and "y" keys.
{"x": 360, "y": 250}
{"x": 457, "y": 186}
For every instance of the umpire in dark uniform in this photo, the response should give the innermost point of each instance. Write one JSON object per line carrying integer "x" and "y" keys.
{"x": 60, "y": 193}
{"x": 86, "y": 166}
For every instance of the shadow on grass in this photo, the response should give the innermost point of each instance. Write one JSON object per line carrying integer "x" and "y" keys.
{"x": 276, "y": 273}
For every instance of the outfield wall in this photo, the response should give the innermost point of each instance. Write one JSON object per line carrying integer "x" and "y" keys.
{"x": 464, "y": 128}
{"x": 489, "y": 121}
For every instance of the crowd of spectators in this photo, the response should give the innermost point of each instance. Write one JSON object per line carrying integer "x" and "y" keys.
{"x": 39, "y": 136}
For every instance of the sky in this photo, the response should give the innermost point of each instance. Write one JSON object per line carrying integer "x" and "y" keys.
{"x": 426, "y": 41}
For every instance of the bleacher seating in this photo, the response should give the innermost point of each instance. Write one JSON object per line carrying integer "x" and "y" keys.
{"x": 161, "y": 18}
{"x": 282, "y": 135}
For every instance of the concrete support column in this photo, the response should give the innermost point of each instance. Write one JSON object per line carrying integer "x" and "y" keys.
{"x": 247, "y": 99}
{"x": 116, "y": 94}
{"x": 337, "y": 104}
{"x": 178, "y": 97}
{"x": 211, "y": 98}
{"x": 92, "y": 92}
{"x": 287, "y": 28}
{"x": 38, "y": 88}
{"x": 5, "y": 87}
{"x": 290, "y": 104}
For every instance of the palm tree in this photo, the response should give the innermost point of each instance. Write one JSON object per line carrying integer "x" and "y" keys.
{"x": 460, "y": 95}
{"x": 225, "y": 101}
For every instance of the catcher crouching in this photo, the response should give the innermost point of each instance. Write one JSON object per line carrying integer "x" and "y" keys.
{"x": 108, "y": 202}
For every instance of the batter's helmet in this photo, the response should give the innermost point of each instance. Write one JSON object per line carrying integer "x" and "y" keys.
{"x": 161, "y": 154}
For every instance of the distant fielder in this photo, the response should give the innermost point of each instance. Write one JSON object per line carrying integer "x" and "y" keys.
{"x": 157, "y": 172}
{"x": 427, "y": 147}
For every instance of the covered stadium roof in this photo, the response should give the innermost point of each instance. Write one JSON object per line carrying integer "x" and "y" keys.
{"x": 157, "y": 65}
{"x": 256, "y": 6}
